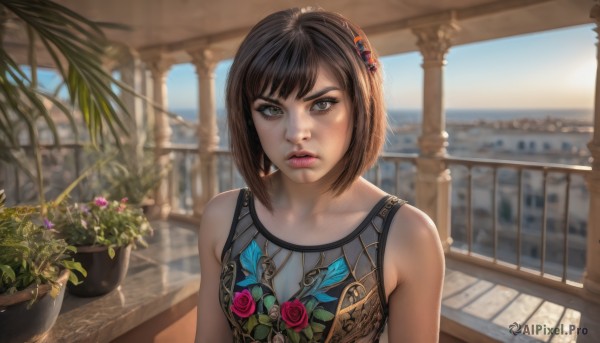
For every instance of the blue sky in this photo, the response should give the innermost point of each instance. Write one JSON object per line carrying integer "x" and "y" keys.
{"x": 549, "y": 70}
{"x": 553, "y": 69}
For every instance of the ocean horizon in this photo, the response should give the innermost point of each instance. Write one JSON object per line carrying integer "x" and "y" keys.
{"x": 413, "y": 116}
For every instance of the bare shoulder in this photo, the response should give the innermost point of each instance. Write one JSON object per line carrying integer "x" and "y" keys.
{"x": 412, "y": 226}
{"x": 216, "y": 221}
{"x": 221, "y": 204}
{"x": 416, "y": 243}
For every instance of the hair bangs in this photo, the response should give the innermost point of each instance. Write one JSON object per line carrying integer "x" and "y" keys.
{"x": 282, "y": 69}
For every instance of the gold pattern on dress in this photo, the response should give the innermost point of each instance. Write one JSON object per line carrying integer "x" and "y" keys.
{"x": 268, "y": 267}
{"x": 358, "y": 314}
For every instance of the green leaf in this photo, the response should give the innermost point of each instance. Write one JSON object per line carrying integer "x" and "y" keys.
{"x": 311, "y": 304}
{"x": 257, "y": 293}
{"x": 74, "y": 279}
{"x": 293, "y": 336}
{"x": 251, "y": 323}
{"x": 269, "y": 302}
{"x": 323, "y": 315}
{"x": 261, "y": 332}
{"x": 7, "y": 273}
{"x": 317, "y": 327}
{"x": 72, "y": 265}
{"x": 111, "y": 252}
{"x": 308, "y": 332}
{"x": 264, "y": 319}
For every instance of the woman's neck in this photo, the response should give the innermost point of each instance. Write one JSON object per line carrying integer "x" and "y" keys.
{"x": 302, "y": 199}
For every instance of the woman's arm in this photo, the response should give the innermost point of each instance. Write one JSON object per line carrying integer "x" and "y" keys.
{"x": 214, "y": 228}
{"x": 418, "y": 258}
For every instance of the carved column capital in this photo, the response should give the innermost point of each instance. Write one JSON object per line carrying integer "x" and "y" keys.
{"x": 120, "y": 54}
{"x": 158, "y": 64}
{"x": 434, "y": 41}
{"x": 205, "y": 60}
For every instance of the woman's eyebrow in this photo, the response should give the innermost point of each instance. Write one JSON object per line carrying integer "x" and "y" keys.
{"x": 308, "y": 98}
{"x": 271, "y": 100}
{"x": 319, "y": 93}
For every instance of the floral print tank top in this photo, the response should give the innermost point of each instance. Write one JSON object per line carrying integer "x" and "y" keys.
{"x": 335, "y": 291}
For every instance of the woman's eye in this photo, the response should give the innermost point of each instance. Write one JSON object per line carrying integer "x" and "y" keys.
{"x": 270, "y": 111}
{"x": 323, "y": 105}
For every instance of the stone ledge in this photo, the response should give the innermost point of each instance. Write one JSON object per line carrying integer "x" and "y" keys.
{"x": 479, "y": 305}
{"x": 159, "y": 278}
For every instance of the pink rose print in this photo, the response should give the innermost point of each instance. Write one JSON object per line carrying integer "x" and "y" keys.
{"x": 243, "y": 304}
{"x": 294, "y": 315}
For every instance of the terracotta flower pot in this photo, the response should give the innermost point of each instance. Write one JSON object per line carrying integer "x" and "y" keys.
{"x": 103, "y": 273}
{"x": 20, "y": 324}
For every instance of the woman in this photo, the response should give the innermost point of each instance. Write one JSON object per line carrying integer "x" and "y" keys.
{"x": 304, "y": 258}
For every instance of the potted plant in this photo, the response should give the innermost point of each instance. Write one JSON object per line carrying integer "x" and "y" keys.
{"x": 104, "y": 232}
{"x": 34, "y": 269}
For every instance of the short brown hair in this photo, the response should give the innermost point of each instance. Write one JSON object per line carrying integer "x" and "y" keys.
{"x": 282, "y": 54}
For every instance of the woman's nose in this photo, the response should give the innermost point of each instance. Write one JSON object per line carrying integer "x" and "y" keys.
{"x": 298, "y": 127}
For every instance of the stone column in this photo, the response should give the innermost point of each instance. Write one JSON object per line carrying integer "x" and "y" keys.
{"x": 130, "y": 68}
{"x": 158, "y": 66}
{"x": 148, "y": 92}
{"x": 591, "y": 280}
{"x": 433, "y": 178}
{"x": 205, "y": 61}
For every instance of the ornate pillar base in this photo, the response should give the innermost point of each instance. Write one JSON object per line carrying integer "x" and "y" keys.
{"x": 205, "y": 174}
{"x": 159, "y": 212}
{"x": 433, "y": 188}
{"x": 161, "y": 207}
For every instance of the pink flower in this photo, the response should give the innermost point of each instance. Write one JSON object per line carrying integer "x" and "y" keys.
{"x": 101, "y": 202}
{"x": 124, "y": 200}
{"x": 243, "y": 304}
{"x": 294, "y": 315}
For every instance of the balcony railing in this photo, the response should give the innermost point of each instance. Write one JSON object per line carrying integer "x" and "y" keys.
{"x": 525, "y": 217}
{"x": 536, "y": 218}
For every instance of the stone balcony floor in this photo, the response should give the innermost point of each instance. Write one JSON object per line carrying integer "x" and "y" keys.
{"x": 479, "y": 305}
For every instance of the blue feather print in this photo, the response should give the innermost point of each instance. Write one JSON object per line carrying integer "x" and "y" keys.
{"x": 249, "y": 258}
{"x": 337, "y": 271}
{"x": 323, "y": 297}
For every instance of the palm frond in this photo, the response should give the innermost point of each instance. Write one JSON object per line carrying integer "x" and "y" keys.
{"x": 80, "y": 43}
{"x": 76, "y": 46}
